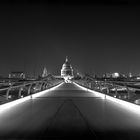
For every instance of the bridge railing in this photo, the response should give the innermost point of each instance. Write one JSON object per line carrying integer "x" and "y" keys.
{"x": 18, "y": 90}
{"x": 115, "y": 90}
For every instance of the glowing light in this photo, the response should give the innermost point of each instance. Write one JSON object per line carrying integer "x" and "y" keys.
{"x": 115, "y": 75}
{"x": 138, "y": 78}
{"x": 10, "y": 96}
{"x": 13, "y": 103}
{"x": 43, "y": 92}
{"x": 67, "y": 80}
{"x": 137, "y": 101}
{"x": 8, "y": 105}
{"x": 124, "y": 104}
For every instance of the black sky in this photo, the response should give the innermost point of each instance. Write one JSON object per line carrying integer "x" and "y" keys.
{"x": 97, "y": 38}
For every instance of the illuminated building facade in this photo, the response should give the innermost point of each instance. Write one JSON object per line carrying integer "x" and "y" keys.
{"x": 17, "y": 75}
{"x": 67, "y": 71}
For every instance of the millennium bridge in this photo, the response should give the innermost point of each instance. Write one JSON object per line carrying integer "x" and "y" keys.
{"x": 68, "y": 107}
{"x": 52, "y": 108}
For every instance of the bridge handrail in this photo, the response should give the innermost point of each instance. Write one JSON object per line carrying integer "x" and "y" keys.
{"x": 24, "y": 84}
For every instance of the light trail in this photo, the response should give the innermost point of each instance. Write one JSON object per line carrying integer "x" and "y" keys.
{"x": 120, "y": 103}
{"x": 124, "y": 104}
{"x": 11, "y": 104}
{"x": 43, "y": 92}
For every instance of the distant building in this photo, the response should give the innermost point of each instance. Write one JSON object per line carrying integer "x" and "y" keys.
{"x": 67, "y": 71}
{"x": 17, "y": 75}
{"x": 115, "y": 75}
{"x": 45, "y": 73}
{"x": 107, "y": 75}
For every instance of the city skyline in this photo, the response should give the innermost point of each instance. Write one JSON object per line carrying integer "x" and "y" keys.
{"x": 97, "y": 38}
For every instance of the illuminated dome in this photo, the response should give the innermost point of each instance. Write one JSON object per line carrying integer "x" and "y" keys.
{"x": 67, "y": 71}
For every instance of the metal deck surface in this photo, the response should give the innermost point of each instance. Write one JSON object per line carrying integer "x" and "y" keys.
{"x": 69, "y": 112}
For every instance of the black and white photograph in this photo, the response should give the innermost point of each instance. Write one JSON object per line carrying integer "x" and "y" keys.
{"x": 69, "y": 70}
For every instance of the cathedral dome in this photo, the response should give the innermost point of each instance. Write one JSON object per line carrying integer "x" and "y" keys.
{"x": 66, "y": 69}
{"x": 66, "y": 65}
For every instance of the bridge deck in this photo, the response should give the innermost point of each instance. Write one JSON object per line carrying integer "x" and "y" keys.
{"x": 69, "y": 112}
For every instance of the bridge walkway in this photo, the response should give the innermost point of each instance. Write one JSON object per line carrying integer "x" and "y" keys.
{"x": 69, "y": 112}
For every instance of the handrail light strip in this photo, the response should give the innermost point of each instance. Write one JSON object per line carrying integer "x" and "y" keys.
{"x": 124, "y": 104}
{"x": 21, "y": 100}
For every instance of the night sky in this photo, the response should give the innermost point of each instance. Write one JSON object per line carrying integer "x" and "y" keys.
{"x": 97, "y": 38}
